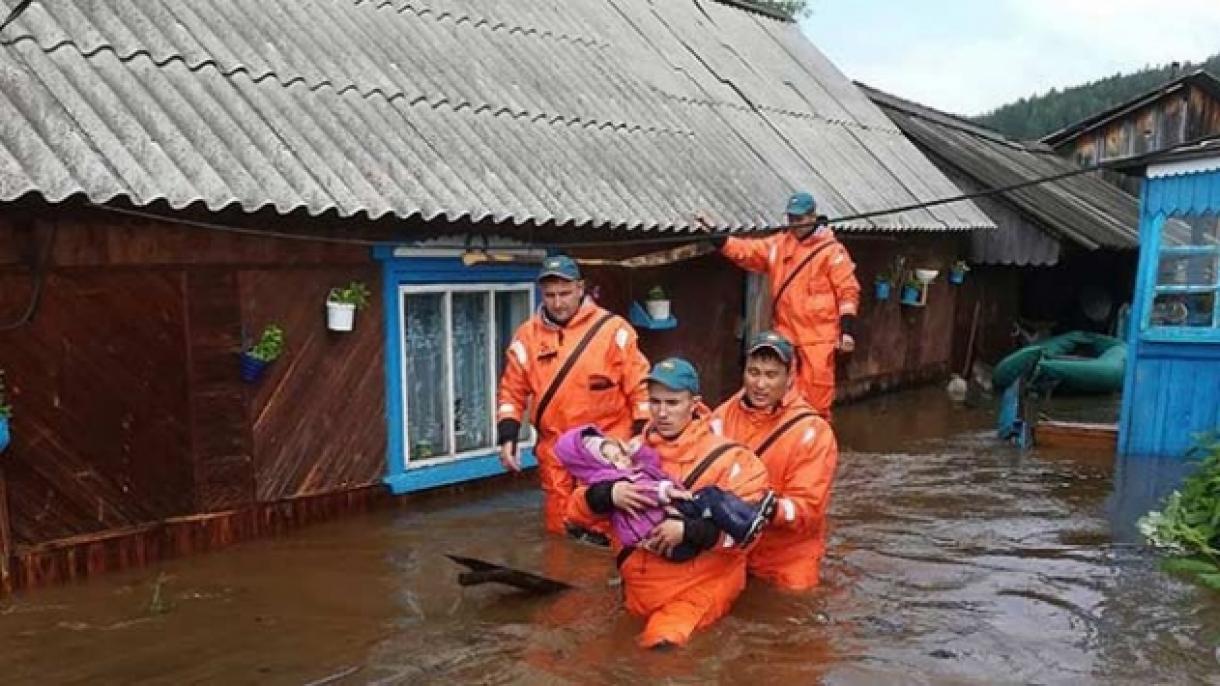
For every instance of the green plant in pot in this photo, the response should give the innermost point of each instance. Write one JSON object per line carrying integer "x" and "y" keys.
{"x": 957, "y": 272}
{"x": 883, "y": 283}
{"x": 268, "y": 349}
{"x": 657, "y": 304}
{"x": 912, "y": 290}
{"x": 342, "y": 303}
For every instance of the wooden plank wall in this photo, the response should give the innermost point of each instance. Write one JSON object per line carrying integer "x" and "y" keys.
{"x": 318, "y": 419}
{"x": 100, "y": 415}
{"x": 899, "y": 345}
{"x": 1169, "y": 121}
{"x": 707, "y": 296}
{"x": 128, "y": 406}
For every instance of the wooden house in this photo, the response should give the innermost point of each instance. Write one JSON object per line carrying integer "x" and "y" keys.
{"x": 1063, "y": 252}
{"x": 176, "y": 177}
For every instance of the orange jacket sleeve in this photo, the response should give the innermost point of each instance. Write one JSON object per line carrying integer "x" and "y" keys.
{"x": 843, "y": 281}
{"x": 514, "y": 382}
{"x": 635, "y": 369}
{"x": 578, "y": 511}
{"x": 751, "y": 254}
{"x": 804, "y": 488}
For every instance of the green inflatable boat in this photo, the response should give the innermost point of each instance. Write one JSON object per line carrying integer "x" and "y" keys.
{"x": 1076, "y": 362}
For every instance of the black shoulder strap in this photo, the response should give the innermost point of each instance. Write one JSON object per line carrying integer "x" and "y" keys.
{"x": 804, "y": 263}
{"x": 567, "y": 367}
{"x": 783, "y": 429}
{"x": 687, "y": 483}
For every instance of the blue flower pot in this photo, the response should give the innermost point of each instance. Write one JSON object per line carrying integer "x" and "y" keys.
{"x": 252, "y": 368}
{"x": 910, "y": 295}
{"x": 881, "y": 289}
{"x": 957, "y": 278}
{"x": 4, "y": 435}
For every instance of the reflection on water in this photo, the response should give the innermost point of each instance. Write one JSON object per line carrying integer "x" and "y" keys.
{"x": 953, "y": 560}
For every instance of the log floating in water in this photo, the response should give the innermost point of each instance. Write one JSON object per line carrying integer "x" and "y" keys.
{"x": 482, "y": 572}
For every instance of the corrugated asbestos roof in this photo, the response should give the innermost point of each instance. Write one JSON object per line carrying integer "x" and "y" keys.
{"x": 1084, "y": 209}
{"x": 624, "y": 113}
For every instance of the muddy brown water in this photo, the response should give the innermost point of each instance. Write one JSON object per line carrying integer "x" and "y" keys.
{"x": 954, "y": 560}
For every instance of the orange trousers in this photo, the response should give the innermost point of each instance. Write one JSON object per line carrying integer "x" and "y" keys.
{"x": 816, "y": 375}
{"x": 557, "y": 485}
{"x": 673, "y": 618}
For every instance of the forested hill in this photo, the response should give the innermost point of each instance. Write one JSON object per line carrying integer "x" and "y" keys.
{"x": 1039, "y": 115}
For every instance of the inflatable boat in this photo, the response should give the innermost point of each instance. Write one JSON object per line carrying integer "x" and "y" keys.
{"x": 1076, "y": 362}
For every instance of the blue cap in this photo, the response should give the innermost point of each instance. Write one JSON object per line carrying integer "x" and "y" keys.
{"x": 801, "y": 203}
{"x": 773, "y": 341}
{"x": 676, "y": 374}
{"x": 560, "y": 266}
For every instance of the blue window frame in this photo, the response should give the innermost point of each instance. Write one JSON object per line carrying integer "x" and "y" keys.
{"x": 1181, "y": 279}
{"x": 447, "y": 326}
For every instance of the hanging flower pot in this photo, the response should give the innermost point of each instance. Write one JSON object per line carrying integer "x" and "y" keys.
{"x": 657, "y": 304}
{"x": 910, "y": 294}
{"x": 5, "y": 413}
{"x": 957, "y": 273}
{"x": 255, "y": 360}
{"x": 340, "y": 316}
{"x": 342, "y": 303}
{"x": 881, "y": 289}
{"x": 252, "y": 368}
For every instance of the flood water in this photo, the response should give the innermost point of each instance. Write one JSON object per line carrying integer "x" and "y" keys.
{"x": 953, "y": 560}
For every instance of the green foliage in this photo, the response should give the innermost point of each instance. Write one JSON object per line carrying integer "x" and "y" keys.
{"x": 354, "y": 293}
{"x": 959, "y": 266}
{"x": 1188, "y": 525}
{"x": 1039, "y": 115}
{"x": 270, "y": 346}
{"x": 791, "y": 8}
{"x": 656, "y": 293}
{"x": 6, "y": 410}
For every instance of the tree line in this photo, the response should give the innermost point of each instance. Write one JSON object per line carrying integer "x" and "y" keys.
{"x": 1038, "y": 115}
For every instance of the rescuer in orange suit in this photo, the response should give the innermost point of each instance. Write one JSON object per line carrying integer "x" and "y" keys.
{"x": 598, "y": 357}
{"x": 814, "y": 293}
{"x": 679, "y": 597}
{"x": 800, "y": 452}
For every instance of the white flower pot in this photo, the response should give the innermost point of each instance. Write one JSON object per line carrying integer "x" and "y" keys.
{"x": 658, "y": 310}
{"x": 340, "y": 316}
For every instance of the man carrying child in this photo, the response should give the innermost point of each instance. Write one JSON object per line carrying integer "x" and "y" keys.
{"x": 678, "y": 597}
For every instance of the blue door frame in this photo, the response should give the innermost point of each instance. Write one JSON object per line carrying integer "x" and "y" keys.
{"x": 397, "y": 271}
{"x": 1171, "y": 392}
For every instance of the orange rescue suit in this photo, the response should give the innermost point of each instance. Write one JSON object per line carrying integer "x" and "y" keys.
{"x": 605, "y": 388}
{"x": 801, "y": 465}
{"x": 679, "y": 597}
{"x": 809, "y": 310}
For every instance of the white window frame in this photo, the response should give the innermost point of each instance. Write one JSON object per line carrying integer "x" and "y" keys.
{"x": 447, "y": 291}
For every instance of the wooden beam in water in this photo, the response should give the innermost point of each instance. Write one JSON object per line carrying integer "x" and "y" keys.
{"x": 1076, "y": 435}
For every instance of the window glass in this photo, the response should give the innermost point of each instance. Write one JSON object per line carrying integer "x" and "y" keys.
{"x": 472, "y": 386}
{"x": 426, "y": 376}
{"x": 1188, "y": 273}
{"x": 453, "y": 354}
{"x": 512, "y": 309}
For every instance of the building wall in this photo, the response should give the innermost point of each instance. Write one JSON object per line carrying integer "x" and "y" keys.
{"x": 707, "y": 298}
{"x": 1171, "y": 392}
{"x": 1169, "y": 121}
{"x": 900, "y": 345}
{"x": 127, "y": 403}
